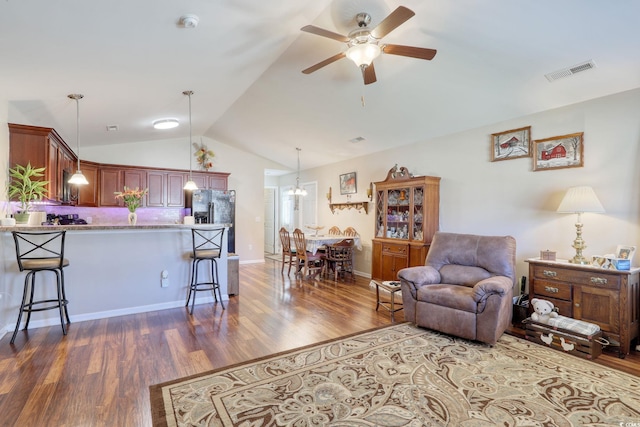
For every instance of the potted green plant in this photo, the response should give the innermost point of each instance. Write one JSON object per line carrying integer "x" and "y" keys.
{"x": 25, "y": 189}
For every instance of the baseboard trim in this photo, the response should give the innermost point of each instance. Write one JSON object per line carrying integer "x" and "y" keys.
{"x": 55, "y": 320}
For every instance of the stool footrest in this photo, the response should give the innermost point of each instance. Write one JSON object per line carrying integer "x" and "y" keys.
{"x": 29, "y": 307}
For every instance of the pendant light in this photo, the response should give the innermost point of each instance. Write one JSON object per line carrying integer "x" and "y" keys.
{"x": 77, "y": 178}
{"x": 190, "y": 185}
{"x": 298, "y": 191}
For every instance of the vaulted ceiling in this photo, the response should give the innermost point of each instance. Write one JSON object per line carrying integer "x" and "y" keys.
{"x": 133, "y": 59}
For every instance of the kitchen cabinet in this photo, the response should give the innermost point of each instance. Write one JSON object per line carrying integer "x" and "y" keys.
{"x": 110, "y": 181}
{"x": 175, "y": 189}
{"x": 87, "y": 195}
{"x": 166, "y": 188}
{"x": 43, "y": 147}
{"x": 210, "y": 180}
{"x": 406, "y": 218}
{"x": 114, "y": 178}
{"x": 608, "y": 298}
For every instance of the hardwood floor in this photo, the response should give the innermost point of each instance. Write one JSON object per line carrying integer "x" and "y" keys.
{"x": 99, "y": 375}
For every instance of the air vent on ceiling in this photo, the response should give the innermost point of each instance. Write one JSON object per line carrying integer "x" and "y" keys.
{"x": 112, "y": 128}
{"x": 357, "y": 139}
{"x": 584, "y": 66}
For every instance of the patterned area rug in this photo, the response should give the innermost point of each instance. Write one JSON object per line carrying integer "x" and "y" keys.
{"x": 402, "y": 375}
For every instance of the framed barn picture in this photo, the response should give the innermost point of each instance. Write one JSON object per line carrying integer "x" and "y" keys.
{"x": 511, "y": 144}
{"x": 559, "y": 152}
{"x": 348, "y": 183}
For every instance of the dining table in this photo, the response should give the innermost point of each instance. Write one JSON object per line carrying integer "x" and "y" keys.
{"x": 316, "y": 242}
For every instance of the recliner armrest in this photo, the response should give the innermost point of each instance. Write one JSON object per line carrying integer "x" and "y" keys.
{"x": 493, "y": 285}
{"x": 419, "y": 276}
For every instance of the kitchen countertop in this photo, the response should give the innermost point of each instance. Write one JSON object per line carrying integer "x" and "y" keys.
{"x": 93, "y": 227}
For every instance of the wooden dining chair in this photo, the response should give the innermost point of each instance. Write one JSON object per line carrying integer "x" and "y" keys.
{"x": 288, "y": 253}
{"x": 350, "y": 232}
{"x": 339, "y": 258}
{"x": 334, "y": 231}
{"x": 308, "y": 262}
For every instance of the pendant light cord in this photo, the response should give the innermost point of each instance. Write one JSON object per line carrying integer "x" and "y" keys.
{"x": 78, "y": 130}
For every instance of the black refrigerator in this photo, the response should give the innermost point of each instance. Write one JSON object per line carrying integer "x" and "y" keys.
{"x": 216, "y": 207}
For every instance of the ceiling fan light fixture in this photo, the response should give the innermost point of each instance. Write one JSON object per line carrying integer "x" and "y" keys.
{"x": 165, "y": 124}
{"x": 363, "y": 53}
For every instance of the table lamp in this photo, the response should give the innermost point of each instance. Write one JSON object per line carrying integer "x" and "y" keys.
{"x": 580, "y": 200}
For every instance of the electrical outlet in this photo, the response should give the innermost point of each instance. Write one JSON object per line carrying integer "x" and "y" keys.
{"x": 164, "y": 279}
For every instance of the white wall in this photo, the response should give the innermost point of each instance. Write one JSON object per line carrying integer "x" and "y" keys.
{"x": 507, "y": 197}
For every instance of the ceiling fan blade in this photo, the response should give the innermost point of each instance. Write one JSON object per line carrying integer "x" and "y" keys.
{"x": 413, "y": 52}
{"x": 369, "y": 74}
{"x": 324, "y": 33}
{"x": 327, "y": 61}
{"x": 391, "y": 22}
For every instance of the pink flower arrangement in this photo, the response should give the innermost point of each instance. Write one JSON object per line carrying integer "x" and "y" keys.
{"x": 132, "y": 198}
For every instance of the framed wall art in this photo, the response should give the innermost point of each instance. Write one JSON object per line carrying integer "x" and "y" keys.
{"x": 559, "y": 152}
{"x": 511, "y": 144}
{"x": 348, "y": 183}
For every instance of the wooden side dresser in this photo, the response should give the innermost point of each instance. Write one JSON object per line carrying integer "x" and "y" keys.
{"x": 608, "y": 298}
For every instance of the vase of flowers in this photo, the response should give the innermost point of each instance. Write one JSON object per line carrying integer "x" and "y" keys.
{"x": 132, "y": 199}
{"x": 204, "y": 156}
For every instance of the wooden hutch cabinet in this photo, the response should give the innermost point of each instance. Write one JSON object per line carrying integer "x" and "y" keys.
{"x": 608, "y": 298}
{"x": 406, "y": 218}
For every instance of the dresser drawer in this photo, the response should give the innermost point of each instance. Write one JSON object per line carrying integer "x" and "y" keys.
{"x": 390, "y": 248}
{"x": 546, "y": 289}
{"x": 584, "y": 277}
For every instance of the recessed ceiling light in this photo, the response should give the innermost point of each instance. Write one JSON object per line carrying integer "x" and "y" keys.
{"x": 165, "y": 124}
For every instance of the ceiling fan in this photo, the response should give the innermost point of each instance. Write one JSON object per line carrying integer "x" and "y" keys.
{"x": 364, "y": 43}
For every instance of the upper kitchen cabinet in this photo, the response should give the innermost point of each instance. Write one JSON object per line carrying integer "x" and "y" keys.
{"x": 87, "y": 195}
{"x": 114, "y": 178}
{"x": 43, "y": 147}
{"x": 210, "y": 180}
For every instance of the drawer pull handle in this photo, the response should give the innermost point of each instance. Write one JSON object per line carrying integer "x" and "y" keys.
{"x": 599, "y": 280}
{"x": 549, "y": 273}
{"x": 551, "y": 290}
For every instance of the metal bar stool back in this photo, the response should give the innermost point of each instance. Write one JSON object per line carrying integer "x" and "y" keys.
{"x": 207, "y": 246}
{"x": 35, "y": 252}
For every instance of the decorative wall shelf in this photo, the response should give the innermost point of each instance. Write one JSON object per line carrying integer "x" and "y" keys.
{"x": 349, "y": 205}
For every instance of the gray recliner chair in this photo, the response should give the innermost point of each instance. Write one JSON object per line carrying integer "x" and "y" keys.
{"x": 465, "y": 287}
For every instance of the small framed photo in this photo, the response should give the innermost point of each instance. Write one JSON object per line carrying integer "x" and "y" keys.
{"x": 348, "y": 183}
{"x": 559, "y": 152}
{"x": 511, "y": 144}
{"x": 626, "y": 252}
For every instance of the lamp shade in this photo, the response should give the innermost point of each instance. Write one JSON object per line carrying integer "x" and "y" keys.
{"x": 579, "y": 200}
{"x": 363, "y": 53}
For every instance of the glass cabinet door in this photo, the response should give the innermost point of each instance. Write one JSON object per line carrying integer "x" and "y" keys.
{"x": 380, "y": 214}
{"x": 398, "y": 212}
{"x": 418, "y": 214}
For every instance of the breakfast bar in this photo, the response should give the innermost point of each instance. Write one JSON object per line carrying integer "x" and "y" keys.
{"x": 114, "y": 270}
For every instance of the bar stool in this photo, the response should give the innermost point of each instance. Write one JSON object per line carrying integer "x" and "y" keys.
{"x": 35, "y": 252}
{"x": 207, "y": 246}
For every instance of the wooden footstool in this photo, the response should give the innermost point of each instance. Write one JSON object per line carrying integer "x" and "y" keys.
{"x": 392, "y": 287}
